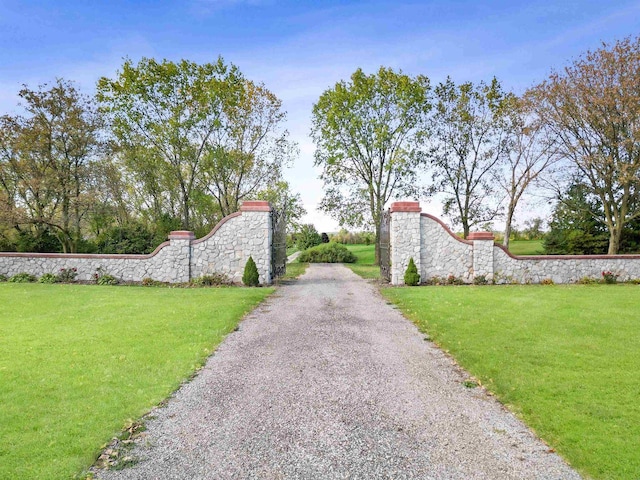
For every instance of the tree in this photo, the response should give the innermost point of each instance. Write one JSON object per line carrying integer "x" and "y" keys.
{"x": 281, "y": 198}
{"x": 469, "y": 141}
{"x": 529, "y": 153}
{"x": 250, "y": 148}
{"x": 307, "y": 237}
{"x": 46, "y": 161}
{"x": 593, "y": 107}
{"x": 165, "y": 116}
{"x": 367, "y": 133}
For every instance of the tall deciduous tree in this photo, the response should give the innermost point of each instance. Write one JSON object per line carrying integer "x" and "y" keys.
{"x": 469, "y": 141}
{"x": 529, "y": 154}
{"x": 367, "y": 133}
{"x": 45, "y": 159}
{"x": 164, "y": 116}
{"x": 249, "y": 150}
{"x": 593, "y": 106}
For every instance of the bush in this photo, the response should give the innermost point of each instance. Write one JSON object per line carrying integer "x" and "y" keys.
{"x": 48, "y": 278}
{"x": 411, "y": 276}
{"x": 327, "y": 253}
{"x": 150, "y": 282}
{"x": 102, "y": 278}
{"x": 213, "y": 279}
{"x": 609, "y": 277}
{"x": 307, "y": 237}
{"x": 480, "y": 280}
{"x": 67, "y": 275}
{"x": 23, "y": 277}
{"x": 324, "y": 237}
{"x": 547, "y": 281}
{"x": 3, "y": 278}
{"x": 453, "y": 280}
{"x": 587, "y": 281}
{"x": 250, "y": 276}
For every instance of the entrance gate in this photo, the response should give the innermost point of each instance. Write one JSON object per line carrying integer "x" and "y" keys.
{"x": 385, "y": 246}
{"x": 278, "y": 244}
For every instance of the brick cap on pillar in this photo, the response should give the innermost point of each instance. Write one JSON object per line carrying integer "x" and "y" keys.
{"x": 405, "y": 207}
{"x": 255, "y": 206}
{"x": 481, "y": 236}
{"x": 181, "y": 235}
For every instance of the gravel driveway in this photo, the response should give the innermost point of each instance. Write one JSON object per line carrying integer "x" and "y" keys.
{"x": 326, "y": 380}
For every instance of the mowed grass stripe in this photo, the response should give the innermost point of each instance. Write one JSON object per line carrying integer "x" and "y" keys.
{"x": 565, "y": 358}
{"x": 78, "y": 361}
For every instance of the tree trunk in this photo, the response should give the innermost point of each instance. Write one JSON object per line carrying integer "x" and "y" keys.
{"x": 465, "y": 229}
{"x": 507, "y": 227}
{"x": 614, "y": 240}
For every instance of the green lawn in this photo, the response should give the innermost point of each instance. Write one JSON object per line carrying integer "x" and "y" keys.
{"x": 294, "y": 270}
{"x": 364, "y": 266}
{"x": 565, "y": 358}
{"x": 526, "y": 247}
{"x": 78, "y": 361}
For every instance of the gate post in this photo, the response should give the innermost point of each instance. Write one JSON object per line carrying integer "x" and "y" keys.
{"x": 256, "y": 215}
{"x": 405, "y": 238}
{"x": 482, "y": 254}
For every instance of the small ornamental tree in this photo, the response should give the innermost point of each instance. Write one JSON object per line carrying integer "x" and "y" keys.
{"x": 250, "y": 276}
{"x": 411, "y": 276}
{"x": 324, "y": 237}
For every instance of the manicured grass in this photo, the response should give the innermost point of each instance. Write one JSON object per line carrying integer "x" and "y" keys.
{"x": 78, "y": 361}
{"x": 364, "y": 265}
{"x": 564, "y": 358}
{"x": 526, "y": 247}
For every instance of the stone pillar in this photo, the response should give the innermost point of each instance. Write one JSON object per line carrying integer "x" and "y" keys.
{"x": 256, "y": 216}
{"x": 180, "y": 248}
{"x": 405, "y": 238}
{"x": 482, "y": 254}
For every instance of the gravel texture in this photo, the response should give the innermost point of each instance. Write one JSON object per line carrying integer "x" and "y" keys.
{"x": 326, "y": 380}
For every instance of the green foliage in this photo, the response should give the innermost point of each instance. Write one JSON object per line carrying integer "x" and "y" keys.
{"x": 353, "y": 238}
{"x": 365, "y": 261}
{"x": 564, "y": 358}
{"x": 103, "y": 278}
{"x": 453, "y": 280}
{"x": 48, "y": 278}
{"x": 250, "y": 277}
{"x": 134, "y": 237}
{"x": 150, "y": 282}
{"x": 38, "y": 241}
{"x": 214, "y": 279}
{"x": 67, "y": 275}
{"x": 480, "y": 280}
{"x": 411, "y": 275}
{"x": 23, "y": 277}
{"x": 587, "y": 281}
{"x": 3, "y": 278}
{"x": 307, "y": 237}
{"x": 609, "y": 277}
{"x": 327, "y": 253}
{"x": 118, "y": 353}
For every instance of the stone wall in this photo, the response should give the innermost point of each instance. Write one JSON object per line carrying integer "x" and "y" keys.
{"x": 223, "y": 251}
{"x": 438, "y": 252}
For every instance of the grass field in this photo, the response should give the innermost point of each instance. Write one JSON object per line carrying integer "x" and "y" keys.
{"x": 564, "y": 358}
{"x": 294, "y": 270}
{"x": 364, "y": 266}
{"x": 78, "y": 361}
{"x": 526, "y": 247}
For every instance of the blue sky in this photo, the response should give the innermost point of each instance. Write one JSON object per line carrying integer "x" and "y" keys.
{"x": 301, "y": 48}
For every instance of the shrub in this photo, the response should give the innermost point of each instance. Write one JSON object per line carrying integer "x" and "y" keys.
{"x": 587, "y": 281}
{"x": 48, "y": 278}
{"x": 67, "y": 275}
{"x": 480, "y": 280}
{"x": 150, "y": 282}
{"x": 453, "y": 280}
{"x": 102, "y": 278}
{"x": 609, "y": 277}
{"x": 327, "y": 253}
{"x": 547, "y": 281}
{"x": 324, "y": 237}
{"x": 213, "y": 279}
{"x": 250, "y": 276}
{"x": 307, "y": 237}
{"x": 3, "y": 278}
{"x": 23, "y": 277}
{"x": 411, "y": 276}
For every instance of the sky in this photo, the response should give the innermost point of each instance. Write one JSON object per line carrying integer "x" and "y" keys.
{"x": 299, "y": 49}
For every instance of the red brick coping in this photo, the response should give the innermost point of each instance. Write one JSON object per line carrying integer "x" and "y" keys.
{"x": 255, "y": 206}
{"x": 481, "y": 236}
{"x": 405, "y": 207}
